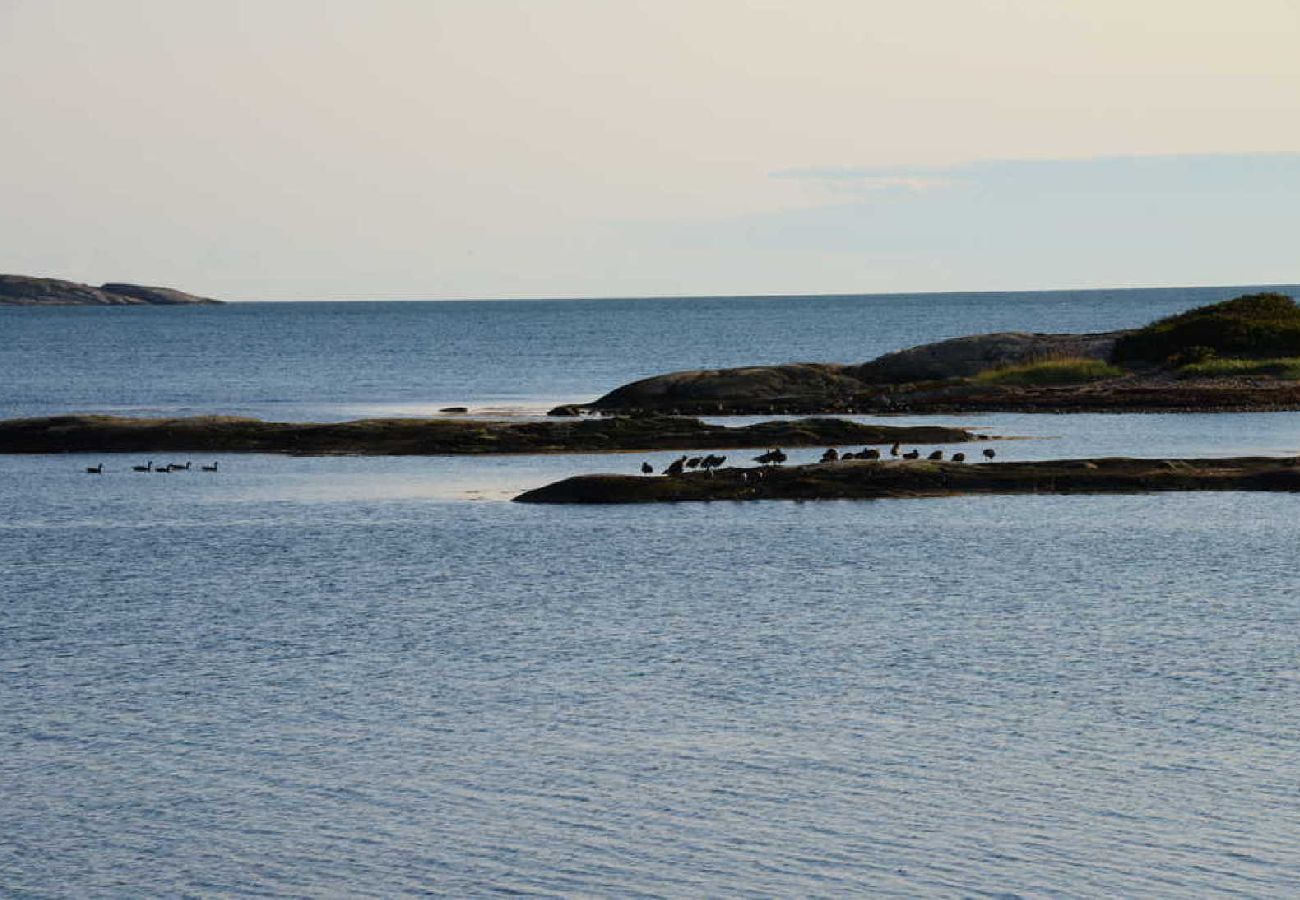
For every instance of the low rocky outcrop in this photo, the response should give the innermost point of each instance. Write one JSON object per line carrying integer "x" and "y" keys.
{"x": 800, "y": 388}
{"x": 25, "y": 290}
{"x": 697, "y": 390}
{"x": 867, "y": 480}
{"x": 228, "y": 434}
{"x": 1137, "y": 370}
{"x": 964, "y": 357}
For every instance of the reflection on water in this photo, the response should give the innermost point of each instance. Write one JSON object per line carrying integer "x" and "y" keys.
{"x": 368, "y": 676}
{"x": 286, "y": 679}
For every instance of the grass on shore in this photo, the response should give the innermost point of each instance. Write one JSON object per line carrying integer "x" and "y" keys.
{"x": 1284, "y": 368}
{"x": 1065, "y": 370}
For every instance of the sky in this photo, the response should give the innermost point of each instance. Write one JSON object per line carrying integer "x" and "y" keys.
{"x": 447, "y": 149}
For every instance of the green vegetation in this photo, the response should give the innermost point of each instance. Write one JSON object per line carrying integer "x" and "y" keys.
{"x": 1287, "y": 369}
{"x": 1067, "y": 370}
{"x": 1255, "y": 326}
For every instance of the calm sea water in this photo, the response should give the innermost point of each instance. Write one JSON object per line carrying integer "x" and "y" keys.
{"x": 372, "y": 677}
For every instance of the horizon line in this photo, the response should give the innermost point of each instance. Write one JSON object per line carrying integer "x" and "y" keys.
{"x": 778, "y": 296}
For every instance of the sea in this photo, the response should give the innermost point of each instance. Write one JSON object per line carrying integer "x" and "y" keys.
{"x": 377, "y": 677}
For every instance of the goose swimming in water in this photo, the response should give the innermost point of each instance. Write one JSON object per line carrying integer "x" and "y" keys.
{"x": 211, "y": 468}
{"x": 95, "y": 470}
{"x": 147, "y": 467}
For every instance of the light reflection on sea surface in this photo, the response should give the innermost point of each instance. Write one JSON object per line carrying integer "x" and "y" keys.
{"x": 340, "y": 676}
{"x": 283, "y": 678}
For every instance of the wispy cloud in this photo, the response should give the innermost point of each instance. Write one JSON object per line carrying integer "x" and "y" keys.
{"x": 1184, "y": 170}
{"x": 848, "y": 180}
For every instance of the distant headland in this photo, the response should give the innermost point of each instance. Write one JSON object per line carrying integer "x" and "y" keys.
{"x": 26, "y": 290}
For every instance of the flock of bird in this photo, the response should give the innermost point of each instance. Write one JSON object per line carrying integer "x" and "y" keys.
{"x": 677, "y": 466}
{"x": 776, "y": 456}
{"x": 149, "y": 467}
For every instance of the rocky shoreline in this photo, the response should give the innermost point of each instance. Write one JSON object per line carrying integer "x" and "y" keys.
{"x": 869, "y": 480}
{"x": 1150, "y": 394}
{"x": 386, "y": 437}
{"x": 1164, "y": 367}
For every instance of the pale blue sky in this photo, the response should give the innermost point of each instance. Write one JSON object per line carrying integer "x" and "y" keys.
{"x": 309, "y": 149}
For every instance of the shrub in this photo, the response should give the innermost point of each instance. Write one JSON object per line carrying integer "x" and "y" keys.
{"x": 1253, "y": 325}
{"x": 1067, "y": 370}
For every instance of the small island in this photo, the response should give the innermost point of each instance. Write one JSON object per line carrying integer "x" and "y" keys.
{"x": 1238, "y": 355}
{"x": 441, "y": 436}
{"x": 25, "y": 290}
{"x": 877, "y": 480}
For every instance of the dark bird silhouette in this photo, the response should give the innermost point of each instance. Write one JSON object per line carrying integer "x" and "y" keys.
{"x": 177, "y": 467}
{"x": 989, "y": 453}
{"x": 893, "y": 451}
{"x": 163, "y": 470}
{"x": 869, "y": 453}
{"x": 147, "y": 467}
{"x": 935, "y": 456}
{"x": 694, "y": 462}
{"x": 95, "y": 470}
{"x": 211, "y": 468}
{"x": 647, "y": 469}
{"x": 831, "y": 455}
{"x": 676, "y": 466}
{"x": 959, "y": 457}
{"x": 711, "y": 462}
{"x": 772, "y": 457}
{"x": 912, "y": 454}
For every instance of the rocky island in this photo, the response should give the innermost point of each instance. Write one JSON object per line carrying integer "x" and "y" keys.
{"x": 1241, "y": 354}
{"x": 25, "y": 290}
{"x": 876, "y": 480}
{"x": 227, "y": 434}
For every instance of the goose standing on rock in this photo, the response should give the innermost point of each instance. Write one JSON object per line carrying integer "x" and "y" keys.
{"x": 647, "y": 469}
{"x": 869, "y": 453}
{"x": 831, "y": 455}
{"x": 912, "y": 454}
{"x": 893, "y": 451}
{"x": 935, "y": 456}
{"x": 989, "y": 453}
{"x": 959, "y": 457}
{"x": 675, "y": 467}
